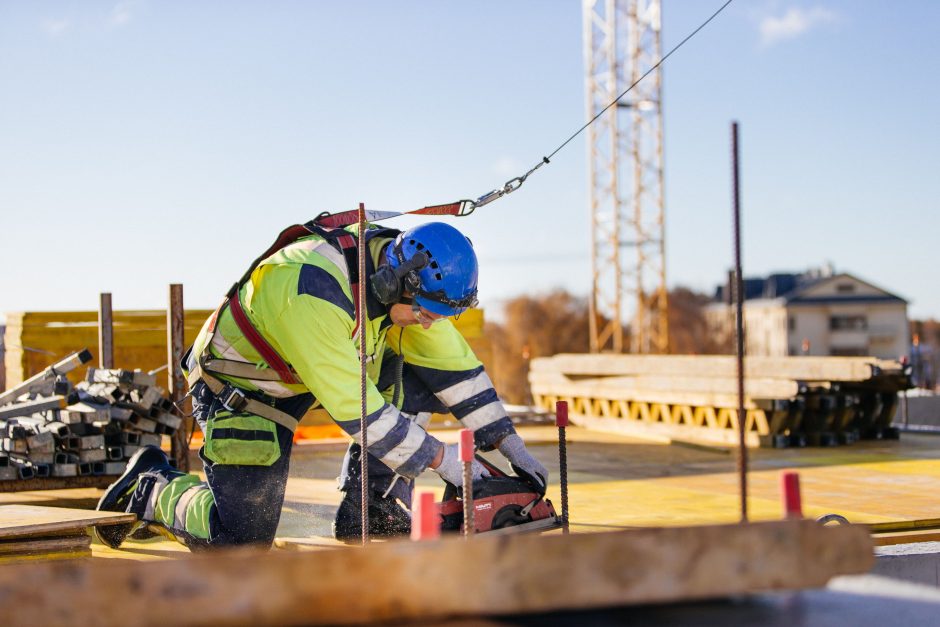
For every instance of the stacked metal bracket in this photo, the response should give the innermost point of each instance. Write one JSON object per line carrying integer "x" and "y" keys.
{"x": 50, "y": 428}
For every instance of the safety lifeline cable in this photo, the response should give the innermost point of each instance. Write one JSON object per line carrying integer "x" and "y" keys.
{"x": 465, "y": 207}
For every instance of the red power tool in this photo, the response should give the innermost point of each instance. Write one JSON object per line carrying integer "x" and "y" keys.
{"x": 501, "y": 504}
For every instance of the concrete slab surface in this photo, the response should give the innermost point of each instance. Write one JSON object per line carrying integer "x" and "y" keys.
{"x": 619, "y": 482}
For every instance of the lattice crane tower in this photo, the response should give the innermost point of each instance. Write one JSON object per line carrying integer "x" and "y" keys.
{"x": 625, "y": 146}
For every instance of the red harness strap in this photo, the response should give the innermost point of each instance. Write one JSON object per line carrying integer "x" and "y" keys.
{"x": 347, "y": 244}
{"x": 345, "y": 218}
{"x": 322, "y": 226}
{"x": 267, "y": 352}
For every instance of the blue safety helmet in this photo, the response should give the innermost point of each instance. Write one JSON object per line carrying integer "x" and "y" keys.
{"x": 447, "y": 285}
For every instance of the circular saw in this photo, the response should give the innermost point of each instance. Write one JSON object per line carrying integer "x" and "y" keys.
{"x": 502, "y": 504}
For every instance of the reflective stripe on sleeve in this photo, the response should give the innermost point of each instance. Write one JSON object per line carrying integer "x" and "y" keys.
{"x": 378, "y": 423}
{"x": 484, "y": 416}
{"x": 465, "y": 389}
{"x": 400, "y": 454}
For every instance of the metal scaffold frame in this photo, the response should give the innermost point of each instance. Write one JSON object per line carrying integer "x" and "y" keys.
{"x": 622, "y": 41}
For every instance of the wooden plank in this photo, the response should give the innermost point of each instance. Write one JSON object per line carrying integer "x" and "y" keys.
{"x": 35, "y": 546}
{"x": 57, "y": 483}
{"x": 755, "y": 388}
{"x": 315, "y": 543}
{"x": 665, "y": 433}
{"x": 448, "y": 577}
{"x": 18, "y": 521}
{"x": 596, "y": 388}
{"x": 20, "y": 558}
{"x": 905, "y": 525}
{"x": 797, "y": 367}
{"x": 906, "y": 537}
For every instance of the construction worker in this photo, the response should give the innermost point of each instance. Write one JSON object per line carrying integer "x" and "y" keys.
{"x": 287, "y": 338}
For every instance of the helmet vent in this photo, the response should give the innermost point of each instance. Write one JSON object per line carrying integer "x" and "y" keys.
{"x": 438, "y": 276}
{"x": 434, "y": 264}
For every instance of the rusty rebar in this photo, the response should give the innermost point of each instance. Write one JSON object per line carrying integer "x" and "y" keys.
{"x": 105, "y": 332}
{"x": 179, "y": 446}
{"x": 361, "y": 320}
{"x": 561, "y": 421}
{"x": 467, "y": 451}
{"x": 739, "y": 321}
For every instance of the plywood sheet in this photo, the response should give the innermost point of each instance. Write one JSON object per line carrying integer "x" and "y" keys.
{"x": 36, "y": 546}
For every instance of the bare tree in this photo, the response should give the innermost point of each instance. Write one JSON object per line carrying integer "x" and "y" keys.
{"x": 557, "y": 322}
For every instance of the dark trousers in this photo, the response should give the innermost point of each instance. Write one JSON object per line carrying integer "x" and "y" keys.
{"x": 416, "y": 398}
{"x": 248, "y": 499}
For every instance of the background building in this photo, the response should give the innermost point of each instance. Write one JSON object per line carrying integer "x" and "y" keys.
{"x": 818, "y": 312}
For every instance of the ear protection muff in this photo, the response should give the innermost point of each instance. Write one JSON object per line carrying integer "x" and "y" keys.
{"x": 388, "y": 282}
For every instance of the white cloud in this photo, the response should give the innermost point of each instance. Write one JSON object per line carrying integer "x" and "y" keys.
{"x": 793, "y": 23}
{"x": 123, "y": 11}
{"x": 54, "y": 28}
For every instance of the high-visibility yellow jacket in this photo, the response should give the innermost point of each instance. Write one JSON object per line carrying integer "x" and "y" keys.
{"x": 300, "y": 300}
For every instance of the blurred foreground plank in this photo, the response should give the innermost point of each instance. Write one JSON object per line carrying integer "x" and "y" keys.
{"x": 429, "y": 580}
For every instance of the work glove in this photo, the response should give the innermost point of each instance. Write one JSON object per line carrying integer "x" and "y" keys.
{"x": 451, "y": 468}
{"x": 513, "y": 448}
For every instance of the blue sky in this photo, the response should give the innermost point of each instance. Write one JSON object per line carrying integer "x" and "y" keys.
{"x": 146, "y": 142}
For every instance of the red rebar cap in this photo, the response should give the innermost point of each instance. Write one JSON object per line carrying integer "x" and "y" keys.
{"x": 561, "y": 413}
{"x": 790, "y": 492}
{"x": 466, "y": 445}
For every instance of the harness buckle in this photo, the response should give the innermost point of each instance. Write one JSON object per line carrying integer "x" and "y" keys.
{"x": 232, "y": 398}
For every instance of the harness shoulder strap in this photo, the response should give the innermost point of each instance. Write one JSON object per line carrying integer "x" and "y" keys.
{"x": 342, "y": 240}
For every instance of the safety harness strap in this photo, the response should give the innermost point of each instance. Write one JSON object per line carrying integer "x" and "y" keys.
{"x": 270, "y": 356}
{"x": 236, "y": 400}
{"x": 288, "y": 236}
{"x": 265, "y": 350}
{"x": 239, "y": 369}
{"x": 330, "y": 230}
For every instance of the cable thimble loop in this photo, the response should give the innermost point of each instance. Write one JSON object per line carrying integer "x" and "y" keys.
{"x": 508, "y": 187}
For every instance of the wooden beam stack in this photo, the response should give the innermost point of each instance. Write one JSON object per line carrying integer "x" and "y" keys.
{"x": 789, "y": 401}
{"x": 50, "y": 428}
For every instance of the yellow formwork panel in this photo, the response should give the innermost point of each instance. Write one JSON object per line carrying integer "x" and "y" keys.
{"x": 35, "y": 340}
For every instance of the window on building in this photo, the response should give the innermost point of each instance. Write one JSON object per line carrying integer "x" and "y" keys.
{"x": 791, "y": 323}
{"x": 848, "y": 323}
{"x": 848, "y": 351}
{"x": 845, "y": 288}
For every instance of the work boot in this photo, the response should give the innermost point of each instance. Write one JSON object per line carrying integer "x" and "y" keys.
{"x": 386, "y": 518}
{"x": 119, "y": 497}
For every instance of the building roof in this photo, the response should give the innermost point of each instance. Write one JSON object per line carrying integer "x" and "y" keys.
{"x": 808, "y": 288}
